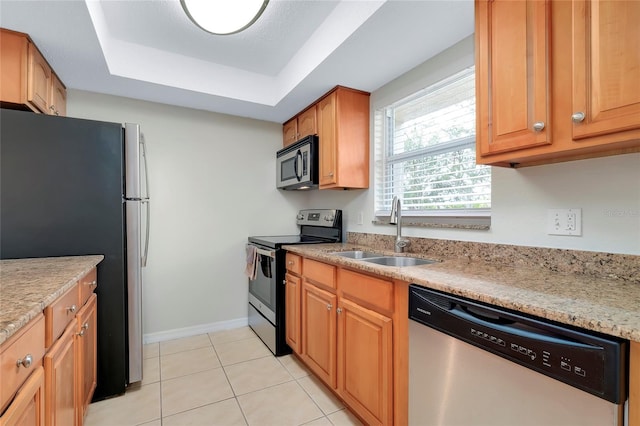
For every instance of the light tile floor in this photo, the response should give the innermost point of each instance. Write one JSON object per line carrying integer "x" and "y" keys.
{"x": 223, "y": 378}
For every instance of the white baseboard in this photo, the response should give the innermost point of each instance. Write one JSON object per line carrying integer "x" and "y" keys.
{"x": 177, "y": 333}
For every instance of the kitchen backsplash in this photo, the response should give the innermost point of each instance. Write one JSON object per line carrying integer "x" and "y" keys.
{"x": 597, "y": 264}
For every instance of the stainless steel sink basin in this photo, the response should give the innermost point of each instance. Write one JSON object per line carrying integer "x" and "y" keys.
{"x": 399, "y": 261}
{"x": 356, "y": 254}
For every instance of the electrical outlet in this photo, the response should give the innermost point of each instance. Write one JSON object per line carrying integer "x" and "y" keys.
{"x": 564, "y": 222}
{"x": 360, "y": 218}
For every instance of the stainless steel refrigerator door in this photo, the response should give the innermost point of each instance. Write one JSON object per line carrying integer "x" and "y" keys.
{"x": 134, "y": 199}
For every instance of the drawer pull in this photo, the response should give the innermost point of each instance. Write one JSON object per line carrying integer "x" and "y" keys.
{"x": 25, "y": 362}
{"x": 72, "y": 309}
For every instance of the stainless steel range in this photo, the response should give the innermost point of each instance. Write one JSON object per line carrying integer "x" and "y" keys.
{"x": 267, "y": 291}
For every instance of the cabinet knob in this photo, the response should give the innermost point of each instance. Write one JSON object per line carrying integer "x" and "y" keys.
{"x": 72, "y": 308}
{"x": 81, "y": 333}
{"x": 329, "y": 306}
{"x": 538, "y": 126}
{"x": 339, "y": 310}
{"x": 94, "y": 282}
{"x": 331, "y": 174}
{"x": 290, "y": 262}
{"x": 578, "y": 117}
{"x": 25, "y": 362}
{"x": 85, "y": 326}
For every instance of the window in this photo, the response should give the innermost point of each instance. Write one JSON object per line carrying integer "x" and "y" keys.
{"x": 426, "y": 153}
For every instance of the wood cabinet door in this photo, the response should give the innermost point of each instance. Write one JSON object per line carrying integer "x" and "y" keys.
{"x": 290, "y": 132}
{"x": 606, "y": 61}
{"x": 307, "y": 122}
{"x": 59, "y": 367}
{"x": 292, "y": 312}
{"x": 319, "y": 332}
{"x": 86, "y": 356}
{"x": 512, "y": 75}
{"x": 365, "y": 362}
{"x": 328, "y": 137}
{"x": 27, "y": 409}
{"x": 39, "y": 80}
{"x": 58, "y": 97}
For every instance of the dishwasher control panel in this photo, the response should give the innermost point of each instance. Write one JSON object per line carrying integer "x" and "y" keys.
{"x": 588, "y": 361}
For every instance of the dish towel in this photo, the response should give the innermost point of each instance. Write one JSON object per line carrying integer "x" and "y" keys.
{"x": 251, "y": 270}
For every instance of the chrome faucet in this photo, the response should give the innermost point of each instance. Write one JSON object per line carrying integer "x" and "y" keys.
{"x": 396, "y": 219}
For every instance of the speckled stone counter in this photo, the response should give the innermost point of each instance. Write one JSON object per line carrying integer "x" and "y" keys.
{"x": 27, "y": 286}
{"x": 604, "y": 304}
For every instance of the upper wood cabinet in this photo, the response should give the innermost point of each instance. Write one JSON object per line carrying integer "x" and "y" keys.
{"x": 341, "y": 120}
{"x": 343, "y": 132}
{"x": 556, "y": 80}
{"x": 513, "y": 89}
{"x": 303, "y": 124}
{"x": 606, "y": 74}
{"x": 26, "y": 79}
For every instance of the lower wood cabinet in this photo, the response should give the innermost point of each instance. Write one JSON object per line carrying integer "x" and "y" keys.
{"x": 86, "y": 356}
{"x": 59, "y": 366}
{"x": 365, "y": 367}
{"x": 27, "y": 409}
{"x": 319, "y": 332}
{"x": 347, "y": 334}
{"x": 292, "y": 312}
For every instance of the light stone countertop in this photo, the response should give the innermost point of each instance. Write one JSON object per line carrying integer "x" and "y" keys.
{"x": 609, "y": 306}
{"x": 27, "y": 286}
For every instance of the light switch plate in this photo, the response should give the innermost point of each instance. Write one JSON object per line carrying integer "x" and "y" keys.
{"x": 564, "y": 222}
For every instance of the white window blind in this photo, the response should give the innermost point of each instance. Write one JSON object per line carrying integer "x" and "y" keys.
{"x": 425, "y": 152}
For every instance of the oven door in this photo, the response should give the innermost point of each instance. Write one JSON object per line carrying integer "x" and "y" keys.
{"x": 262, "y": 290}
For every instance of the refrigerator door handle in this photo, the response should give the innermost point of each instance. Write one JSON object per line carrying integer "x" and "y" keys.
{"x": 145, "y": 201}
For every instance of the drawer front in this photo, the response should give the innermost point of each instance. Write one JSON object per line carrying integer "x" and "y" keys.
{"x": 319, "y": 273}
{"x": 294, "y": 263}
{"x": 87, "y": 285}
{"x": 28, "y": 341}
{"x": 375, "y": 292}
{"x": 59, "y": 314}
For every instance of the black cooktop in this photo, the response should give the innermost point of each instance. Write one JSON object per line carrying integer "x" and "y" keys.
{"x": 278, "y": 241}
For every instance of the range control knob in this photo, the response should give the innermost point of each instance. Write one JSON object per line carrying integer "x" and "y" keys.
{"x": 329, "y": 218}
{"x": 300, "y": 216}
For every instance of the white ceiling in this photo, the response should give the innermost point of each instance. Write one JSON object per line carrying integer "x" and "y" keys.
{"x": 297, "y": 50}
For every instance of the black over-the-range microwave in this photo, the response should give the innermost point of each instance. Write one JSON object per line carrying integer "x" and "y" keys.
{"x": 297, "y": 165}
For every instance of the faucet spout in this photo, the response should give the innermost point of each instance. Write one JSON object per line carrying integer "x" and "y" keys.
{"x": 396, "y": 219}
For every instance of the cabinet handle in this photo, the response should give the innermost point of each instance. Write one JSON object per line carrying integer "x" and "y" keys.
{"x": 578, "y": 117}
{"x": 538, "y": 126}
{"x": 329, "y": 306}
{"x": 84, "y": 328}
{"x": 72, "y": 308}
{"x": 25, "y": 362}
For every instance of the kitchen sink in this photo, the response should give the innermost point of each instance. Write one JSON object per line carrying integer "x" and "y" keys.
{"x": 399, "y": 261}
{"x": 356, "y": 254}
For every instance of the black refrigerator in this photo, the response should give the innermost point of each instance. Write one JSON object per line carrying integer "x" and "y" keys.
{"x": 78, "y": 187}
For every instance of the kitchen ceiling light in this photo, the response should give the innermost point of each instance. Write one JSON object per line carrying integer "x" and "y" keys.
{"x": 223, "y": 17}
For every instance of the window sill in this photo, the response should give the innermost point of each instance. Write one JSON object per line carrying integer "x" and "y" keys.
{"x": 427, "y": 223}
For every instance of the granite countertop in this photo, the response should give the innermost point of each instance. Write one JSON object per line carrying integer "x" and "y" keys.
{"x": 606, "y": 305}
{"x": 27, "y": 286}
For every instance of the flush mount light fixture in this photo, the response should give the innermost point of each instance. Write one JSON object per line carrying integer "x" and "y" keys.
{"x": 223, "y": 17}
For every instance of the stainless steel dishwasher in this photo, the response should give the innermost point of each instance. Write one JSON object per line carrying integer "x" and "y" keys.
{"x": 477, "y": 364}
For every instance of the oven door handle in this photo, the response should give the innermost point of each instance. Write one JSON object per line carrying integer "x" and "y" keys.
{"x": 269, "y": 253}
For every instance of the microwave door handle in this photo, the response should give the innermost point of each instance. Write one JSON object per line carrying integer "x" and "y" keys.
{"x": 296, "y": 168}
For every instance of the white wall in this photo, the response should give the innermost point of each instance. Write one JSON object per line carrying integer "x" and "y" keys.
{"x": 607, "y": 189}
{"x": 212, "y": 179}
